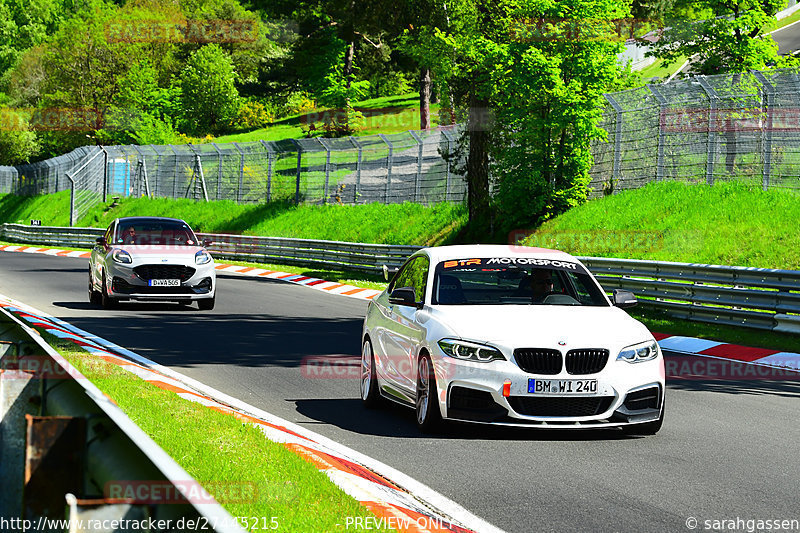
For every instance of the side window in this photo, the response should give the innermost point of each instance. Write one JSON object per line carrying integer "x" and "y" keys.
{"x": 414, "y": 274}
{"x": 109, "y": 235}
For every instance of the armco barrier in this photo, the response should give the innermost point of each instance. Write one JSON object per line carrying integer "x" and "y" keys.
{"x": 304, "y": 252}
{"x": 743, "y": 296}
{"x": 63, "y": 443}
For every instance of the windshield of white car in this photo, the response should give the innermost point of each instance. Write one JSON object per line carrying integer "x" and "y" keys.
{"x": 156, "y": 233}
{"x": 514, "y": 285}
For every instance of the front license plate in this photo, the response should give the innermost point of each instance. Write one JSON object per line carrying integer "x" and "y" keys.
{"x": 164, "y": 282}
{"x": 562, "y": 386}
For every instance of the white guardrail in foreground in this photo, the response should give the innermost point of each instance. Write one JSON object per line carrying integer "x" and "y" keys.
{"x": 66, "y": 450}
{"x": 761, "y": 298}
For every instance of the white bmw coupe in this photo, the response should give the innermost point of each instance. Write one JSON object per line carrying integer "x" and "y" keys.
{"x": 151, "y": 259}
{"x": 511, "y": 336}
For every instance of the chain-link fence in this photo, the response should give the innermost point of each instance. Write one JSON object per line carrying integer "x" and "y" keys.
{"x": 703, "y": 129}
{"x": 411, "y": 166}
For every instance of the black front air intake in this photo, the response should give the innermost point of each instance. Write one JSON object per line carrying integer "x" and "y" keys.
{"x": 148, "y": 272}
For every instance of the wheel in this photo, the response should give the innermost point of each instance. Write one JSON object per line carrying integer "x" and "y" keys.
{"x": 429, "y": 417}
{"x": 105, "y": 300}
{"x": 369, "y": 382}
{"x": 94, "y": 296}
{"x": 207, "y": 304}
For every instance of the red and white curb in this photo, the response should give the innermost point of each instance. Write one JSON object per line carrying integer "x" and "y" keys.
{"x": 332, "y": 287}
{"x": 729, "y": 352}
{"x": 397, "y": 500}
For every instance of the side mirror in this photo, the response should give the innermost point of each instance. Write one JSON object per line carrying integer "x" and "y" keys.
{"x": 404, "y": 296}
{"x": 623, "y": 298}
{"x": 207, "y": 243}
{"x": 101, "y": 241}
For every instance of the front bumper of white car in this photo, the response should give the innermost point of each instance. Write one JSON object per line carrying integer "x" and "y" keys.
{"x": 498, "y": 393}
{"x": 133, "y": 282}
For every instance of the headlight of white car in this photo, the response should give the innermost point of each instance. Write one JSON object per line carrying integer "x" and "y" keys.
{"x": 202, "y": 257}
{"x": 470, "y": 351}
{"x": 645, "y": 351}
{"x": 121, "y": 256}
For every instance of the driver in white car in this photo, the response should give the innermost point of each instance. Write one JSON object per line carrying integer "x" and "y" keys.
{"x": 541, "y": 284}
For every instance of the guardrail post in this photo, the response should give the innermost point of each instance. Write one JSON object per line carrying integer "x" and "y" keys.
{"x": 766, "y": 132}
{"x": 662, "y": 105}
{"x": 389, "y": 165}
{"x": 711, "y": 142}
{"x": 615, "y": 169}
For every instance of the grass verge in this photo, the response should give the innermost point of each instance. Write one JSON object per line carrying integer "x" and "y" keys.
{"x": 218, "y": 450}
{"x": 728, "y": 223}
{"x": 406, "y": 223}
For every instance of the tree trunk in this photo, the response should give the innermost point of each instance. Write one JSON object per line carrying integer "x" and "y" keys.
{"x": 348, "y": 64}
{"x": 424, "y": 98}
{"x": 478, "y": 161}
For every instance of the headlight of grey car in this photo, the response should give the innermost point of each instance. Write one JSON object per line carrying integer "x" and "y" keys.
{"x": 121, "y": 256}
{"x": 470, "y": 351}
{"x": 645, "y": 351}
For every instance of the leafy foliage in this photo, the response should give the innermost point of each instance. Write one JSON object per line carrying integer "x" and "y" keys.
{"x": 728, "y": 38}
{"x": 209, "y": 96}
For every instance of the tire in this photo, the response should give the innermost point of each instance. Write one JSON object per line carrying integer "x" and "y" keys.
{"x": 429, "y": 417}
{"x": 105, "y": 300}
{"x": 370, "y": 396}
{"x": 94, "y": 296}
{"x": 206, "y": 304}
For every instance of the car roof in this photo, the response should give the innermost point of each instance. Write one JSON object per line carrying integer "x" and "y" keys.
{"x": 128, "y": 220}
{"x": 467, "y": 251}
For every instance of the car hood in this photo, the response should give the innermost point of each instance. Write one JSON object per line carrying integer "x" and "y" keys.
{"x": 543, "y": 326}
{"x": 165, "y": 252}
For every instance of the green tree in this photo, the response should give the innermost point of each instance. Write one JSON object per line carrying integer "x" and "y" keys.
{"x": 209, "y": 96}
{"x": 17, "y": 143}
{"x": 730, "y": 39}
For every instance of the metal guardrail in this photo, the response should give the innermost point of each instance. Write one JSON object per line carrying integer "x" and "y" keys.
{"x": 754, "y": 297}
{"x": 368, "y": 258}
{"x": 63, "y": 443}
{"x": 761, "y": 298}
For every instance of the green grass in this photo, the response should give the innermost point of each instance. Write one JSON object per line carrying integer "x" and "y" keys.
{"x": 219, "y": 450}
{"x": 794, "y": 17}
{"x": 658, "y": 69}
{"x": 373, "y": 223}
{"x": 729, "y": 223}
{"x": 387, "y": 115}
{"x": 405, "y": 223}
{"x": 51, "y": 209}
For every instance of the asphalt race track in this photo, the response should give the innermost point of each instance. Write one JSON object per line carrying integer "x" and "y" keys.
{"x": 788, "y": 38}
{"x": 728, "y": 449}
